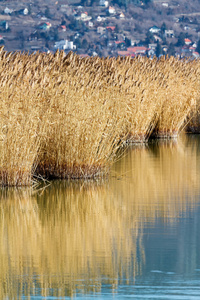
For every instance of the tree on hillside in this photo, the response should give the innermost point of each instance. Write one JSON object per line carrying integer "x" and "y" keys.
{"x": 181, "y": 40}
{"x": 84, "y": 44}
{"x": 163, "y": 27}
{"x": 128, "y": 42}
{"x": 171, "y": 50}
{"x": 47, "y": 13}
{"x": 147, "y": 2}
{"x": 149, "y": 38}
{"x": 158, "y": 49}
{"x": 198, "y": 46}
{"x": 77, "y": 42}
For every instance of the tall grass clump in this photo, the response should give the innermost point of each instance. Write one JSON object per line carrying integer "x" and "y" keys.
{"x": 83, "y": 123}
{"x": 178, "y": 92}
{"x": 53, "y": 122}
{"x": 20, "y": 123}
{"x": 192, "y": 123}
{"x": 139, "y": 92}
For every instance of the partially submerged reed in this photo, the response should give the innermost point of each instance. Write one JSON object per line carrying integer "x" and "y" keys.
{"x": 66, "y": 117}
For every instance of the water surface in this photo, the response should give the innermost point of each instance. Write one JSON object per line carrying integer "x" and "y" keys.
{"x": 134, "y": 234}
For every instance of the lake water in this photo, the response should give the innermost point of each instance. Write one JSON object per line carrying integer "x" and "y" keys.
{"x": 135, "y": 234}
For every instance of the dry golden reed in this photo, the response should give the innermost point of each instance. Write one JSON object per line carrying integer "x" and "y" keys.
{"x": 178, "y": 95}
{"x": 192, "y": 122}
{"x": 63, "y": 116}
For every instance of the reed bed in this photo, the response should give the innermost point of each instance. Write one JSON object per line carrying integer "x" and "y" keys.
{"x": 63, "y": 116}
{"x": 178, "y": 93}
{"x": 192, "y": 122}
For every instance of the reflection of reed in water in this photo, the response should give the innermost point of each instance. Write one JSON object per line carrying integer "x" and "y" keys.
{"x": 157, "y": 179}
{"x": 73, "y": 237}
{"x": 76, "y": 237}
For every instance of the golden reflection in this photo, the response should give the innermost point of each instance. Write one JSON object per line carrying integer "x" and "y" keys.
{"x": 73, "y": 236}
{"x": 158, "y": 180}
{"x": 76, "y": 236}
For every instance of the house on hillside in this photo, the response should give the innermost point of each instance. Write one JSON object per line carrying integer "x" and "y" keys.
{"x": 23, "y": 11}
{"x": 125, "y": 53}
{"x": 195, "y": 54}
{"x": 101, "y": 30}
{"x": 165, "y": 4}
{"x": 152, "y": 46}
{"x": 185, "y": 51}
{"x": 85, "y": 17}
{"x": 45, "y": 26}
{"x": 104, "y": 3}
{"x": 110, "y": 28}
{"x": 62, "y": 28}
{"x": 152, "y": 50}
{"x": 111, "y": 10}
{"x": 100, "y": 19}
{"x": 137, "y": 50}
{"x": 169, "y": 33}
{"x": 64, "y": 45}
{"x": 154, "y": 29}
{"x": 122, "y": 15}
{"x": 120, "y": 44}
{"x": 8, "y": 11}
{"x": 192, "y": 49}
{"x": 187, "y": 41}
{"x": 90, "y": 24}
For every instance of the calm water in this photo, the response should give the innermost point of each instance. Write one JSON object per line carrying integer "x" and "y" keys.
{"x": 134, "y": 235}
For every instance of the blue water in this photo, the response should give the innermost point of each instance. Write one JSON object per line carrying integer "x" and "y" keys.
{"x": 135, "y": 235}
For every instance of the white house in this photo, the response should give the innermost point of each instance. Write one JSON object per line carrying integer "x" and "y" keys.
{"x": 100, "y": 19}
{"x": 90, "y": 24}
{"x": 111, "y": 10}
{"x": 8, "y": 11}
{"x": 64, "y": 44}
{"x": 187, "y": 41}
{"x": 122, "y": 16}
{"x": 85, "y": 17}
{"x": 154, "y": 29}
{"x": 101, "y": 29}
{"x": 25, "y": 12}
{"x": 152, "y": 46}
{"x": 169, "y": 33}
